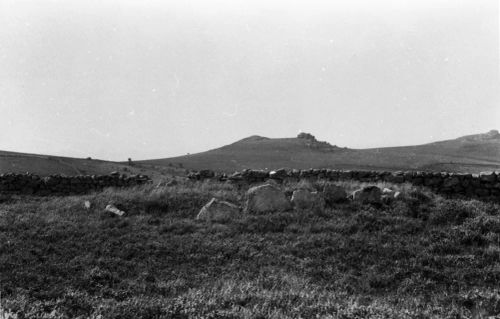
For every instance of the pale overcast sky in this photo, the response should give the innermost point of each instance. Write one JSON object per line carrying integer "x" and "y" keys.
{"x": 149, "y": 79}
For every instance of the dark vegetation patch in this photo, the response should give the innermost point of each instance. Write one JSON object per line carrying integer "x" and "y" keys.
{"x": 420, "y": 257}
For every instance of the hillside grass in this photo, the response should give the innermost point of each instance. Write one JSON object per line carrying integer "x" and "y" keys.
{"x": 471, "y": 155}
{"x": 45, "y": 165}
{"x": 421, "y": 257}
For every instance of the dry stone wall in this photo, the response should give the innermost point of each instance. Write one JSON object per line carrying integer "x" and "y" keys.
{"x": 483, "y": 185}
{"x": 29, "y": 184}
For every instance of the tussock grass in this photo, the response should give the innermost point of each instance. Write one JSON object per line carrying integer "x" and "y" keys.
{"x": 421, "y": 257}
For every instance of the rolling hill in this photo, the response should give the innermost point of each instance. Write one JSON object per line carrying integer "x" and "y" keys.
{"x": 44, "y": 165}
{"x": 472, "y": 153}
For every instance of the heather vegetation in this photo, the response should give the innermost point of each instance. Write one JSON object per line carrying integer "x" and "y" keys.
{"x": 421, "y": 256}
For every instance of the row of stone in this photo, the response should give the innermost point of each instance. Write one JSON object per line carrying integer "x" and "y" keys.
{"x": 485, "y": 184}
{"x": 269, "y": 198}
{"x": 29, "y": 184}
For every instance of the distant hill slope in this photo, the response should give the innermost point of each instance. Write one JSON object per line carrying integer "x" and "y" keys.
{"x": 473, "y": 153}
{"x": 44, "y": 165}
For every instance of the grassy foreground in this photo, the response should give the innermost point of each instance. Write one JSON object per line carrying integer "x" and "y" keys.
{"x": 421, "y": 257}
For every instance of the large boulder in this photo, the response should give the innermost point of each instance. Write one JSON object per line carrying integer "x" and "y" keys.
{"x": 334, "y": 194}
{"x": 218, "y": 211}
{"x": 87, "y": 205}
{"x": 368, "y": 195}
{"x": 266, "y": 198}
{"x": 304, "y": 199}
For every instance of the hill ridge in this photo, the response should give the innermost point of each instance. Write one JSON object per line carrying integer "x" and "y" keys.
{"x": 468, "y": 154}
{"x": 472, "y": 153}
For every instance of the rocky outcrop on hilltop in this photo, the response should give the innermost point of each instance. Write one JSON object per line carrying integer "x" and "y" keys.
{"x": 488, "y": 136}
{"x": 312, "y": 142}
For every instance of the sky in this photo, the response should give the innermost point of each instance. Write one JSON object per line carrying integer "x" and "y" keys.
{"x": 114, "y": 79}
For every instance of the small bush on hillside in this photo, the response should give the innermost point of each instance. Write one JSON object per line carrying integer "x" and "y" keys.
{"x": 451, "y": 212}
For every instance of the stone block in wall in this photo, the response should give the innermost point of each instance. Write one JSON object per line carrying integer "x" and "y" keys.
{"x": 397, "y": 178}
{"x": 280, "y": 174}
{"x": 304, "y": 173}
{"x": 383, "y": 176}
{"x": 322, "y": 174}
{"x": 295, "y": 173}
{"x": 458, "y": 189}
{"x": 482, "y": 192}
{"x": 475, "y": 182}
{"x": 451, "y": 181}
{"x": 488, "y": 177}
{"x": 332, "y": 174}
{"x": 408, "y": 176}
{"x": 44, "y": 192}
{"x": 361, "y": 175}
{"x": 470, "y": 191}
{"x": 487, "y": 185}
{"x": 495, "y": 192}
{"x": 464, "y": 176}
{"x": 345, "y": 175}
{"x": 465, "y": 179}
{"x": 254, "y": 176}
{"x": 416, "y": 178}
{"x": 418, "y": 181}
{"x": 432, "y": 181}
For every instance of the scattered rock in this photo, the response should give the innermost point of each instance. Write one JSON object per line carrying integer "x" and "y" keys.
{"x": 368, "y": 195}
{"x": 389, "y": 195}
{"x": 334, "y": 194}
{"x": 87, "y": 204}
{"x": 266, "y": 198}
{"x": 218, "y": 211}
{"x": 304, "y": 199}
{"x": 112, "y": 209}
{"x": 387, "y": 191}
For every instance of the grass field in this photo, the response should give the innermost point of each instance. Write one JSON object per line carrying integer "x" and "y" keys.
{"x": 45, "y": 165}
{"x": 421, "y": 257}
